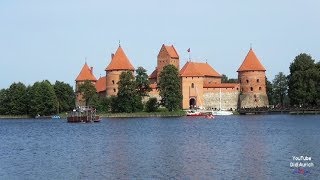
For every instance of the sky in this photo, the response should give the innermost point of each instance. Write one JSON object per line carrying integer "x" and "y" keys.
{"x": 52, "y": 39}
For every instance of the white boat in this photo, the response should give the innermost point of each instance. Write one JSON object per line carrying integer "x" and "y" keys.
{"x": 193, "y": 113}
{"x": 221, "y": 112}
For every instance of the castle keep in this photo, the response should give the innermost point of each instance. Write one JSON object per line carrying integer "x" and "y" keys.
{"x": 201, "y": 83}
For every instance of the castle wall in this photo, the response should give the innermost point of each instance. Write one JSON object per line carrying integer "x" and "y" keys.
{"x": 229, "y": 98}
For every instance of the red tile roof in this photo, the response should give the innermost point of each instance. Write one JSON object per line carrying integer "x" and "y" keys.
{"x": 251, "y": 63}
{"x": 153, "y": 75}
{"x": 222, "y": 85}
{"x": 101, "y": 84}
{"x": 198, "y": 69}
{"x": 86, "y": 74}
{"x": 119, "y": 61}
{"x": 171, "y": 51}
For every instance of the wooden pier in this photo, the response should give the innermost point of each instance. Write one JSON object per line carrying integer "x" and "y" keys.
{"x": 247, "y": 111}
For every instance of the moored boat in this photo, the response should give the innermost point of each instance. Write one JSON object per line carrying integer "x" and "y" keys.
{"x": 194, "y": 113}
{"x": 83, "y": 114}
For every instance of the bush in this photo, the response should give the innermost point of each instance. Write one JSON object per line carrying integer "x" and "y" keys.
{"x": 152, "y": 105}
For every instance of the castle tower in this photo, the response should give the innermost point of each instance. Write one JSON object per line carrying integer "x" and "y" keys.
{"x": 86, "y": 74}
{"x": 193, "y": 77}
{"x": 119, "y": 63}
{"x": 167, "y": 55}
{"x": 252, "y": 78}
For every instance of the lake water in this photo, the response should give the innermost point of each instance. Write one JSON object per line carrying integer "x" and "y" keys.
{"x": 230, "y": 147}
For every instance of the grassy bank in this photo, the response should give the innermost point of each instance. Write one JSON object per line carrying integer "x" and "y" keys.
{"x": 14, "y": 117}
{"x": 144, "y": 114}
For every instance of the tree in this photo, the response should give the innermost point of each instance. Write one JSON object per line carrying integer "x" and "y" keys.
{"x": 225, "y": 79}
{"x": 65, "y": 95}
{"x": 152, "y": 105}
{"x": 303, "y": 81}
{"x": 4, "y": 101}
{"x": 17, "y": 99}
{"x": 280, "y": 88}
{"x": 114, "y": 104}
{"x": 128, "y": 96}
{"x": 170, "y": 88}
{"x": 43, "y": 100}
{"x": 269, "y": 90}
{"x": 88, "y": 92}
{"x": 142, "y": 82}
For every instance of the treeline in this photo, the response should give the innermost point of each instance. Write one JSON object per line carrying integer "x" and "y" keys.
{"x": 42, "y": 98}
{"x": 133, "y": 89}
{"x": 301, "y": 88}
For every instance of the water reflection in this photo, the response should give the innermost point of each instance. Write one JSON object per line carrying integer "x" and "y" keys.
{"x": 247, "y": 147}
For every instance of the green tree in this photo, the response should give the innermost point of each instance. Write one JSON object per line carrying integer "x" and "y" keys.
{"x": 152, "y": 105}
{"x": 4, "y": 102}
{"x": 128, "y": 96}
{"x": 280, "y": 88}
{"x": 269, "y": 90}
{"x": 65, "y": 95}
{"x": 17, "y": 99}
{"x": 142, "y": 82}
{"x": 170, "y": 88}
{"x": 225, "y": 79}
{"x": 114, "y": 104}
{"x": 88, "y": 92}
{"x": 303, "y": 81}
{"x": 43, "y": 100}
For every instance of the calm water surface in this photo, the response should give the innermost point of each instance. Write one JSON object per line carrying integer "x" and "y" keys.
{"x": 233, "y": 147}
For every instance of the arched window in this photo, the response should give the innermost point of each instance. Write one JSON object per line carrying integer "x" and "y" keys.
{"x": 260, "y": 88}
{"x": 257, "y": 80}
{"x": 192, "y": 85}
{"x": 112, "y": 81}
{"x": 247, "y": 81}
{"x": 114, "y": 90}
{"x": 251, "y": 88}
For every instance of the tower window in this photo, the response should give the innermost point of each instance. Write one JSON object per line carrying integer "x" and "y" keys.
{"x": 112, "y": 81}
{"x": 247, "y": 81}
{"x": 260, "y": 88}
{"x": 257, "y": 80}
{"x": 251, "y": 88}
{"x": 192, "y": 85}
{"x": 114, "y": 90}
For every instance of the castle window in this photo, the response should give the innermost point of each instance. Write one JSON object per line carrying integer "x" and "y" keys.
{"x": 247, "y": 81}
{"x": 240, "y": 80}
{"x": 257, "y": 80}
{"x": 260, "y": 88}
{"x": 192, "y": 78}
{"x": 112, "y": 81}
{"x": 251, "y": 88}
{"x": 237, "y": 88}
{"x": 192, "y": 85}
{"x": 114, "y": 90}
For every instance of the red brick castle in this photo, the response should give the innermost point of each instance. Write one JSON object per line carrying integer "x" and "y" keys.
{"x": 201, "y": 84}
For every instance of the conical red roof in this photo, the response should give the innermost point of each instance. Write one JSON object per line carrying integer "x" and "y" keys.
{"x": 101, "y": 84}
{"x": 251, "y": 63}
{"x": 86, "y": 74}
{"x": 198, "y": 69}
{"x": 119, "y": 61}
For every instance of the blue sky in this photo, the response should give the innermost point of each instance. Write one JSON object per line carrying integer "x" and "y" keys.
{"x": 50, "y": 39}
